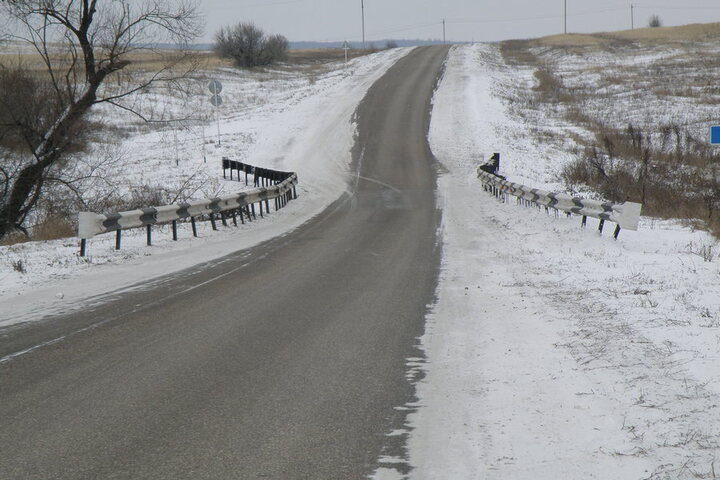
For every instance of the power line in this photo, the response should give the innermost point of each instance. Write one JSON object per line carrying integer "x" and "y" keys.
{"x": 542, "y": 17}
{"x": 667, "y": 7}
{"x": 271, "y": 4}
{"x": 408, "y": 27}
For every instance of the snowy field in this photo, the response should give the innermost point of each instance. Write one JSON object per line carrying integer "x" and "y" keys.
{"x": 275, "y": 119}
{"x": 552, "y": 351}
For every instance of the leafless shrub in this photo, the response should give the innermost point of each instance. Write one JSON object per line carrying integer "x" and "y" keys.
{"x": 248, "y": 46}
{"x": 627, "y": 165}
{"x": 517, "y": 52}
{"x": 53, "y": 228}
{"x": 705, "y": 250}
{"x": 654, "y": 21}
{"x": 28, "y": 106}
{"x": 18, "y": 266}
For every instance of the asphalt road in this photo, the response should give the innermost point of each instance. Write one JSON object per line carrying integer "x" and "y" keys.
{"x": 285, "y": 361}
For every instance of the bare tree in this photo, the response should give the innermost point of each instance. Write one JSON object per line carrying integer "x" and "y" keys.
{"x": 81, "y": 45}
{"x": 248, "y": 45}
{"x": 654, "y": 21}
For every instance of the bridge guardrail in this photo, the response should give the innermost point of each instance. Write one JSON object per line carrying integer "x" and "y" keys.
{"x": 277, "y": 186}
{"x": 625, "y": 215}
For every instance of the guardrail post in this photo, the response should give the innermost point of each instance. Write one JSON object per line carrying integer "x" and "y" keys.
{"x": 118, "y": 238}
{"x": 495, "y": 159}
{"x": 224, "y": 220}
{"x": 149, "y": 235}
{"x": 83, "y": 246}
{"x": 252, "y": 208}
{"x": 212, "y": 222}
{"x": 174, "y": 230}
{"x": 261, "y": 208}
{"x": 583, "y": 223}
{"x": 602, "y": 225}
{"x": 617, "y": 232}
{"x": 194, "y": 227}
{"x": 234, "y": 215}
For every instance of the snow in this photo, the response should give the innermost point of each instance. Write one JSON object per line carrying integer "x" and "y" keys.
{"x": 275, "y": 120}
{"x": 553, "y": 351}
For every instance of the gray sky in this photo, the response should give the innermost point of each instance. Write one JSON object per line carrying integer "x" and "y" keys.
{"x": 480, "y": 20}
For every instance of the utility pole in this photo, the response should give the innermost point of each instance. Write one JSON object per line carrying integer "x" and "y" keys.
{"x": 362, "y": 8}
{"x": 565, "y": 17}
{"x": 443, "y": 30}
{"x": 632, "y": 16}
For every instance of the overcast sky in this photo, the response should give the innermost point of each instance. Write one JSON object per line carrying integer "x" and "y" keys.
{"x": 480, "y": 20}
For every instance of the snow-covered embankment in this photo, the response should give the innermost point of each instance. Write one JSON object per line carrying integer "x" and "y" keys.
{"x": 553, "y": 352}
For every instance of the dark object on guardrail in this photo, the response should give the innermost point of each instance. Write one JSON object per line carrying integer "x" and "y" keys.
{"x": 493, "y": 166}
{"x": 276, "y": 185}
{"x": 625, "y": 215}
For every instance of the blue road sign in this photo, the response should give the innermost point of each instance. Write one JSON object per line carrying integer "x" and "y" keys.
{"x": 715, "y": 135}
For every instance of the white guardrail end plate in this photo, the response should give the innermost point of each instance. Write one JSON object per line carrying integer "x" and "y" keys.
{"x": 629, "y": 217}
{"x": 88, "y": 225}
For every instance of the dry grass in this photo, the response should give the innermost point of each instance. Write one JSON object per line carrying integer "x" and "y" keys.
{"x": 53, "y": 228}
{"x": 151, "y": 60}
{"x": 322, "y": 55}
{"x": 684, "y": 33}
{"x": 665, "y": 166}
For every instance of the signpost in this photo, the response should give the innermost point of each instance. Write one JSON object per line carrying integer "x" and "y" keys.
{"x": 346, "y": 47}
{"x": 215, "y": 88}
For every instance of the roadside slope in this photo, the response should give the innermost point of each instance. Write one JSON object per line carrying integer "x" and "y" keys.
{"x": 554, "y": 352}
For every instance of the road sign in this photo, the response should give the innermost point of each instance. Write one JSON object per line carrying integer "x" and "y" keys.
{"x": 715, "y": 135}
{"x": 216, "y": 100}
{"x": 215, "y": 87}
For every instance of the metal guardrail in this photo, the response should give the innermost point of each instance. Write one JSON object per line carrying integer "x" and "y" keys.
{"x": 277, "y": 186}
{"x": 625, "y": 215}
